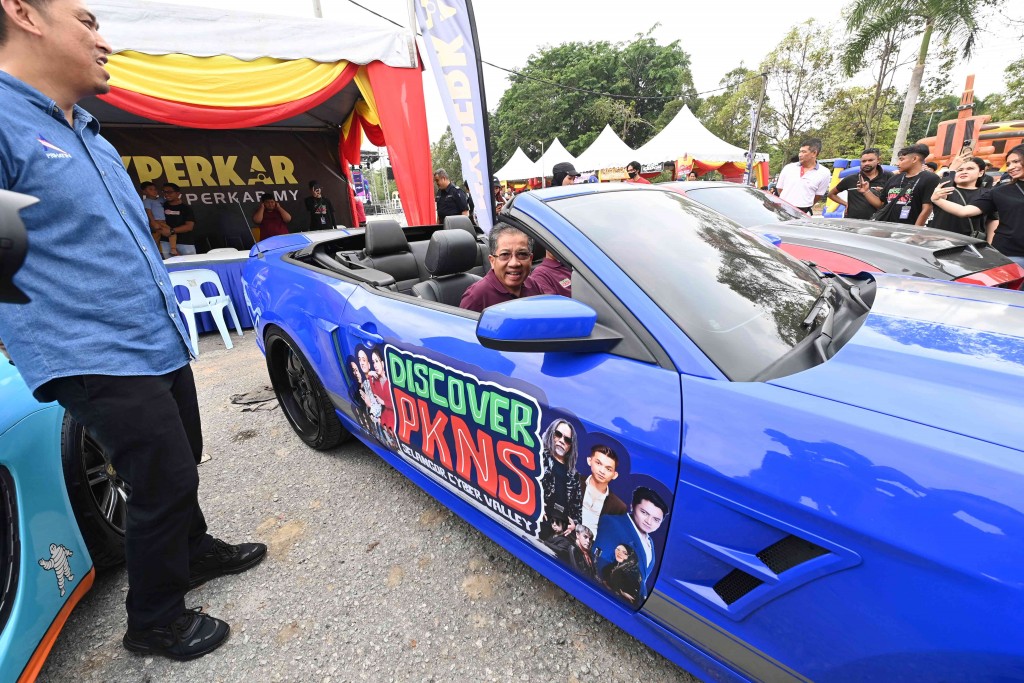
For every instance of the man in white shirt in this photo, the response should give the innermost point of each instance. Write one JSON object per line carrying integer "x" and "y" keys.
{"x": 598, "y": 499}
{"x": 805, "y": 182}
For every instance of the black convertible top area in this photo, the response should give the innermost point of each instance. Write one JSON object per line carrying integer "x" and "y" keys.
{"x": 387, "y": 255}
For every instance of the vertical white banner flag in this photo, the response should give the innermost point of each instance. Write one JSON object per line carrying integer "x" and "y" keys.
{"x": 449, "y": 35}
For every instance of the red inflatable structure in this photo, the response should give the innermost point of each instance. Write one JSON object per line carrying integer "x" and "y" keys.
{"x": 990, "y": 141}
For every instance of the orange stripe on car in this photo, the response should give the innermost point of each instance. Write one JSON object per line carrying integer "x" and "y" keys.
{"x": 35, "y": 664}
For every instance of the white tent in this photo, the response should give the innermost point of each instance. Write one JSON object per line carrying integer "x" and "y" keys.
{"x": 686, "y": 135}
{"x": 519, "y": 167}
{"x": 553, "y": 154}
{"x": 607, "y": 151}
{"x": 157, "y": 28}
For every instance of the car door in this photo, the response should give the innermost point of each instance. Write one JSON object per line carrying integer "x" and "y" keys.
{"x": 541, "y": 444}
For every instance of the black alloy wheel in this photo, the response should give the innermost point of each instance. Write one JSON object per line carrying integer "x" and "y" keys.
{"x": 302, "y": 396}
{"x": 98, "y": 496}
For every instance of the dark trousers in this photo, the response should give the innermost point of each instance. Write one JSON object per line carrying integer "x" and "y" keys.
{"x": 150, "y": 431}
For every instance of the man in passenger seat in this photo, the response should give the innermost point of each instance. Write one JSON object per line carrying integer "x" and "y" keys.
{"x": 552, "y": 276}
{"x": 511, "y": 259}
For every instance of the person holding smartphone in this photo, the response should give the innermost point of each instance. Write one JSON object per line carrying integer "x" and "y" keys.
{"x": 906, "y": 197}
{"x": 1008, "y": 200}
{"x": 966, "y": 175}
{"x": 871, "y": 176}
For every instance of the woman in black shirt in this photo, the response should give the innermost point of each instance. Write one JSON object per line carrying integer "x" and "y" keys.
{"x": 965, "y": 173}
{"x": 1007, "y": 200}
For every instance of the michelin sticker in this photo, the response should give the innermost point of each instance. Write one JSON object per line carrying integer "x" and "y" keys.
{"x": 58, "y": 563}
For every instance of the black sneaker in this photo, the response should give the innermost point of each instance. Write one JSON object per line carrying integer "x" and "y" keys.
{"x": 224, "y": 558}
{"x": 191, "y": 635}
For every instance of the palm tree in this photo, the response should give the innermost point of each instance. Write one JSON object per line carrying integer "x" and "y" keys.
{"x": 870, "y": 20}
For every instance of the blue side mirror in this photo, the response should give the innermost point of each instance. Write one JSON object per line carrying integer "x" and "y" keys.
{"x": 543, "y": 323}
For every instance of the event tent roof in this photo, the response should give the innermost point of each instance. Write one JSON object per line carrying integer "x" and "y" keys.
{"x": 607, "y": 151}
{"x": 209, "y": 31}
{"x": 219, "y": 69}
{"x": 143, "y": 27}
{"x": 555, "y": 153}
{"x": 685, "y": 135}
{"x": 519, "y": 167}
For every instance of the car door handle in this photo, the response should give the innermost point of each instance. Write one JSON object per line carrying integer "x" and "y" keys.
{"x": 357, "y": 331}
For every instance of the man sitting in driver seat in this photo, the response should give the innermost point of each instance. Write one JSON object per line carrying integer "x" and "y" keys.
{"x": 511, "y": 259}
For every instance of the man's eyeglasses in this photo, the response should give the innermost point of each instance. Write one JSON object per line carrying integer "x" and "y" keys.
{"x": 505, "y": 256}
{"x": 567, "y": 439}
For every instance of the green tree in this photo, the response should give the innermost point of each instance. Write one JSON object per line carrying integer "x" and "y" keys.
{"x": 1009, "y": 104}
{"x": 939, "y": 97}
{"x": 444, "y": 154}
{"x": 955, "y": 21}
{"x": 853, "y": 121}
{"x": 801, "y": 69}
{"x": 727, "y": 114}
{"x": 879, "y": 54}
{"x": 538, "y": 106}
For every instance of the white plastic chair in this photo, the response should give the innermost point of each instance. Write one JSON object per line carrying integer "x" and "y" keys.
{"x": 223, "y": 250}
{"x": 199, "y": 302}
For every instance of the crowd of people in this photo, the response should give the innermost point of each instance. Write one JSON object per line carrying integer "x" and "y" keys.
{"x": 963, "y": 198}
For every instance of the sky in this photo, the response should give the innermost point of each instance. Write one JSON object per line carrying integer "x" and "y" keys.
{"x": 716, "y": 40}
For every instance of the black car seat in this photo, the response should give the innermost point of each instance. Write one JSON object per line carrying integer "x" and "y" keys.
{"x": 388, "y": 250}
{"x": 482, "y": 263}
{"x": 449, "y": 255}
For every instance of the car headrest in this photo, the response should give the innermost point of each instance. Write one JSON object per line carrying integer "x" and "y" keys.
{"x": 450, "y": 252}
{"x": 460, "y": 223}
{"x": 385, "y": 237}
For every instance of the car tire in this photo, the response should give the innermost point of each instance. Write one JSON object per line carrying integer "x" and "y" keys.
{"x": 301, "y": 394}
{"x": 98, "y": 496}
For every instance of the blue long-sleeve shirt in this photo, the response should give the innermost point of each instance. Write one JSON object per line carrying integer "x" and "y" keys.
{"x": 101, "y": 299}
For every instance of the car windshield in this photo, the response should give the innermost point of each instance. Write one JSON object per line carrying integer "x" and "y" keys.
{"x": 741, "y": 300}
{"x": 747, "y": 206}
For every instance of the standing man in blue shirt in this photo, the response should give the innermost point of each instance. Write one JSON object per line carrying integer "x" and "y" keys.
{"x": 101, "y": 334}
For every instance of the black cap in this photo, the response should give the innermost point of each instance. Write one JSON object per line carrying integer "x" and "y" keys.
{"x": 564, "y": 168}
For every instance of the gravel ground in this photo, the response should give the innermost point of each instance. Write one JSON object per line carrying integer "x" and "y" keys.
{"x": 367, "y": 579}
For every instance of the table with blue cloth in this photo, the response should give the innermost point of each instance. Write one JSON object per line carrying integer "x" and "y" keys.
{"x": 228, "y": 266}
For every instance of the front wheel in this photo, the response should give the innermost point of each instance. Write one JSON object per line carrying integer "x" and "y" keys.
{"x": 98, "y": 496}
{"x": 302, "y": 396}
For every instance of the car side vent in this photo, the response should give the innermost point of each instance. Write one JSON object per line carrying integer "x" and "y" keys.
{"x": 735, "y": 585}
{"x": 779, "y": 556}
{"x": 788, "y": 553}
{"x": 10, "y": 546}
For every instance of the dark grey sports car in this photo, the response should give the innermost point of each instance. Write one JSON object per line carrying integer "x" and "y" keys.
{"x": 848, "y": 246}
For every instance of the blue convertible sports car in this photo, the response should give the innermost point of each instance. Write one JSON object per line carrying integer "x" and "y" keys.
{"x": 760, "y": 472}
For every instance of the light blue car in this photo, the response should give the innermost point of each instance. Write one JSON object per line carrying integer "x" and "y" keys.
{"x": 61, "y": 517}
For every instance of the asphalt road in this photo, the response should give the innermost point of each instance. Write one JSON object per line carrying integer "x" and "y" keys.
{"x": 367, "y": 579}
